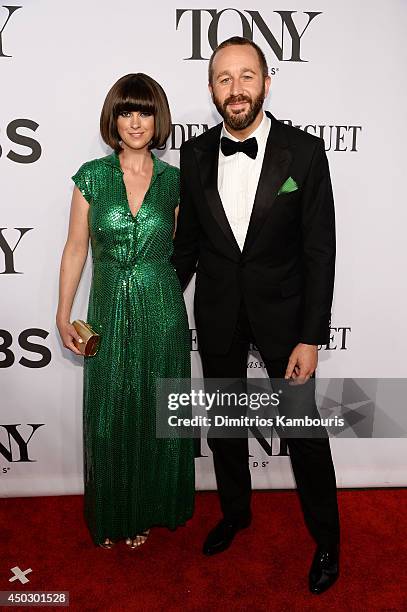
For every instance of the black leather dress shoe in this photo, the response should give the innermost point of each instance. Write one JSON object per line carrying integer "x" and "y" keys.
{"x": 324, "y": 569}
{"x": 221, "y": 537}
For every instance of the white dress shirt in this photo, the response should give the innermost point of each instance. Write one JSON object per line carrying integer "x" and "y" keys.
{"x": 238, "y": 177}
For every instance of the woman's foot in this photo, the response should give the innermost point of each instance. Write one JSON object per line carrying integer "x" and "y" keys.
{"x": 108, "y": 543}
{"x": 138, "y": 540}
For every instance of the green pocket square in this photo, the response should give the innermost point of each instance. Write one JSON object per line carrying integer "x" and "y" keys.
{"x": 289, "y": 186}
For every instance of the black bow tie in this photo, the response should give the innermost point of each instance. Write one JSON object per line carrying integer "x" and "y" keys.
{"x": 230, "y": 147}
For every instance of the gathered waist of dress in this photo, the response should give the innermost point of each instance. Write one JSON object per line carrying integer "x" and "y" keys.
{"x": 138, "y": 264}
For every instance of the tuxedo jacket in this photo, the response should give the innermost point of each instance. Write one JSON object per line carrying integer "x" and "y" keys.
{"x": 285, "y": 272}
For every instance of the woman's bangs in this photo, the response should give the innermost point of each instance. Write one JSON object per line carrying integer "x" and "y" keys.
{"x": 136, "y": 97}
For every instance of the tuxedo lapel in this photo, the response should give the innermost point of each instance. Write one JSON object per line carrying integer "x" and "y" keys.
{"x": 208, "y": 157}
{"x": 276, "y": 163}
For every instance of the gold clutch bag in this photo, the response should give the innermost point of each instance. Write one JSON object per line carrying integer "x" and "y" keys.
{"x": 90, "y": 339}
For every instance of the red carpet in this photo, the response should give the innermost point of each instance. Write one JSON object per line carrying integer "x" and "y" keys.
{"x": 264, "y": 570}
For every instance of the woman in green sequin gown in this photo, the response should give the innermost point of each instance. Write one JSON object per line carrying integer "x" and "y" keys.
{"x": 133, "y": 480}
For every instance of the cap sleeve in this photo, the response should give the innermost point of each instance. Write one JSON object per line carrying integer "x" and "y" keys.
{"x": 83, "y": 181}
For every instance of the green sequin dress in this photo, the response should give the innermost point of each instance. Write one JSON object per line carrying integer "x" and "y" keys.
{"x": 133, "y": 480}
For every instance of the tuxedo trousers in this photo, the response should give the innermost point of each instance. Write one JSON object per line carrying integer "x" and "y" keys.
{"x": 311, "y": 458}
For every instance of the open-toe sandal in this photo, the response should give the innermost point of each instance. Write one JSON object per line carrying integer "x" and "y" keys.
{"x": 138, "y": 540}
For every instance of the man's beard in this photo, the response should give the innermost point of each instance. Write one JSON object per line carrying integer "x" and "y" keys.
{"x": 240, "y": 120}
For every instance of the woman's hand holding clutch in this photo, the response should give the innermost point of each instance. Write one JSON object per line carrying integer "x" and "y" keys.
{"x": 69, "y": 335}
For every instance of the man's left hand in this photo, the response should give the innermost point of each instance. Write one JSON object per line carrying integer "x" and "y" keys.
{"x": 302, "y": 363}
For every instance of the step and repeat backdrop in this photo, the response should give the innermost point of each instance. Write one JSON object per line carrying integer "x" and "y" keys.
{"x": 337, "y": 71}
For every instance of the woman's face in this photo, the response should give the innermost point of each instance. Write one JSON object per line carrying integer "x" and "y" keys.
{"x": 136, "y": 129}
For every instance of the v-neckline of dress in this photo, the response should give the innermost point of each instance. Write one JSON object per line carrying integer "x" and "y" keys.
{"x": 159, "y": 167}
{"x": 153, "y": 175}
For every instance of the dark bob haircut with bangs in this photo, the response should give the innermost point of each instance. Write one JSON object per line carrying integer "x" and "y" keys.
{"x": 135, "y": 92}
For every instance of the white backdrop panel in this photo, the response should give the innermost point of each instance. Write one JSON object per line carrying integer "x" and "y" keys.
{"x": 57, "y": 62}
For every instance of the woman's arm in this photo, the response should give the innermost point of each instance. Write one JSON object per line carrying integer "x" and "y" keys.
{"x": 186, "y": 241}
{"x": 73, "y": 260}
{"x": 176, "y": 211}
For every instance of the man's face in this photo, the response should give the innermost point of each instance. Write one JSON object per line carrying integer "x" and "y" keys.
{"x": 238, "y": 86}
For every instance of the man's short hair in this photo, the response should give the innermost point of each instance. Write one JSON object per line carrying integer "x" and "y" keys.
{"x": 238, "y": 40}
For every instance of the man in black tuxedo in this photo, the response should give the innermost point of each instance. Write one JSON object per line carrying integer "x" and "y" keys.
{"x": 256, "y": 223}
